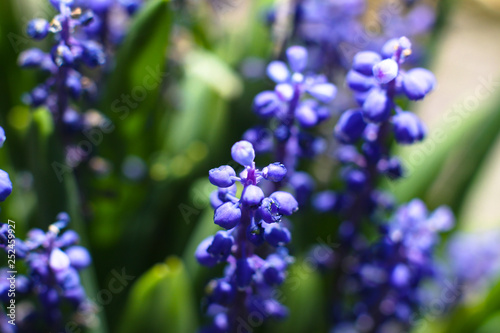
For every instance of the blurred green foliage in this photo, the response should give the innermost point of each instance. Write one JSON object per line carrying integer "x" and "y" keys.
{"x": 185, "y": 125}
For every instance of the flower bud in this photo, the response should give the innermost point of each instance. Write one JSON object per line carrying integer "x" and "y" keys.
{"x": 31, "y": 58}
{"x": 243, "y": 153}
{"x": 363, "y": 62}
{"x": 93, "y": 55}
{"x": 408, "y": 128}
{"x": 297, "y": 58}
{"x": 276, "y": 234}
{"x": 385, "y": 71}
{"x": 2, "y": 136}
{"x": 58, "y": 260}
{"x": 417, "y": 83}
{"x": 377, "y": 107}
{"x": 359, "y": 82}
{"x": 252, "y": 195}
{"x": 350, "y": 126}
{"x": 325, "y": 201}
{"x": 222, "y": 176}
{"x": 400, "y": 276}
{"x": 266, "y": 104}
{"x": 5, "y": 185}
{"x": 274, "y": 172}
{"x": 201, "y": 254}
{"x": 287, "y": 203}
{"x": 355, "y": 179}
{"x": 306, "y": 115}
{"x": 228, "y": 215}
{"x": 79, "y": 257}
{"x": 323, "y": 92}
{"x": 269, "y": 211}
{"x": 255, "y": 234}
{"x": 222, "y": 292}
{"x": 38, "y": 28}
{"x": 221, "y": 246}
{"x": 278, "y": 71}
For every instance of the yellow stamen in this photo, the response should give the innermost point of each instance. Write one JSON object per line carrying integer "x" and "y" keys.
{"x": 76, "y": 12}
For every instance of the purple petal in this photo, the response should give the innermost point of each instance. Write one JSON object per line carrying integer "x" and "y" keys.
{"x": 385, "y": 71}
{"x": 363, "y": 62}
{"x": 297, "y": 58}
{"x": 324, "y": 92}
{"x": 418, "y": 82}
{"x": 285, "y": 91}
{"x": 442, "y": 219}
{"x": 79, "y": 257}
{"x": 359, "y": 82}
{"x": 58, "y": 260}
{"x": 389, "y": 48}
{"x": 306, "y": 115}
{"x": 377, "y": 107}
{"x": 278, "y": 71}
{"x": 243, "y": 153}
{"x": 5, "y": 185}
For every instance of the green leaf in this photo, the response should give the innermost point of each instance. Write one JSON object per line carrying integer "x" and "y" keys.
{"x": 491, "y": 325}
{"x": 135, "y": 82}
{"x": 131, "y": 103}
{"x": 480, "y": 210}
{"x": 205, "y": 90}
{"x": 44, "y": 121}
{"x": 161, "y": 301}
{"x": 209, "y": 68}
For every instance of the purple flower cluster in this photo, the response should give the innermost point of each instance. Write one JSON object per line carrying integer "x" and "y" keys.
{"x": 327, "y": 26}
{"x": 377, "y": 80}
{"x": 252, "y": 244}
{"x": 5, "y": 183}
{"x": 110, "y": 19}
{"x": 474, "y": 259}
{"x": 63, "y": 62}
{"x": 298, "y": 102}
{"x": 335, "y": 29}
{"x": 53, "y": 260}
{"x": 385, "y": 278}
{"x": 84, "y": 34}
{"x": 80, "y": 30}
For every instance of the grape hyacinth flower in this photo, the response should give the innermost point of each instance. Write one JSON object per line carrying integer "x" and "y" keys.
{"x": 300, "y": 101}
{"x": 385, "y": 278}
{"x": 474, "y": 260}
{"x": 377, "y": 80}
{"x": 63, "y": 62}
{"x": 335, "y": 30}
{"x": 327, "y": 27}
{"x": 53, "y": 260}
{"x": 5, "y": 183}
{"x": 251, "y": 244}
{"x": 109, "y": 19}
{"x": 386, "y": 274}
{"x": 66, "y": 83}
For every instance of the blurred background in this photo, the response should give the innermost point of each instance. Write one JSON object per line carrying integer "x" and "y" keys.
{"x": 141, "y": 201}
